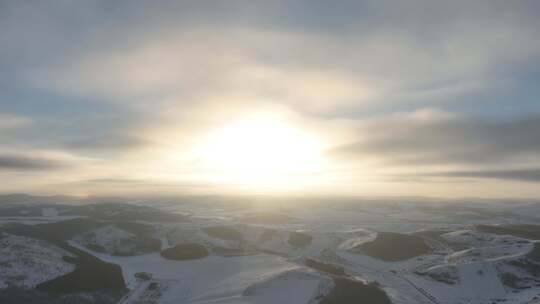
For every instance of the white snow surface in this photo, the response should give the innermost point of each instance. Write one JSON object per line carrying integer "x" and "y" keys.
{"x": 26, "y": 262}
{"x": 248, "y": 279}
{"x": 290, "y": 287}
{"x": 275, "y": 272}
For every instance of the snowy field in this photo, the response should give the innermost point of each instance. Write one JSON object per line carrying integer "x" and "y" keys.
{"x": 263, "y": 254}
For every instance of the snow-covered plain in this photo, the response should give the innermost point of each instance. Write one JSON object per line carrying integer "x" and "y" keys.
{"x": 263, "y": 265}
{"x": 26, "y": 262}
{"x": 259, "y": 278}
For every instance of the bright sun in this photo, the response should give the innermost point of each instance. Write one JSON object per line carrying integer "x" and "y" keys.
{"x": 262, "y": 151}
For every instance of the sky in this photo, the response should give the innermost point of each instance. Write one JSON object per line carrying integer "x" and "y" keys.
{"x": 393, "y": 98}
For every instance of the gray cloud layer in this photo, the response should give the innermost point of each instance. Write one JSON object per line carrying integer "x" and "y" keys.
{"x": 409, "y": 140}
{"x": 528, "y": 175}
{"x": 22, "y": 163}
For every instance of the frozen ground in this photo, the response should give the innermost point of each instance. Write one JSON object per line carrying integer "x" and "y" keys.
{"x": 26, "y": 262}
{"x": 258, "y": 251}
{"x": 252, "y": 279}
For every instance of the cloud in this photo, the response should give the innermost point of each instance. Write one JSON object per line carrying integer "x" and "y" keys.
{"x": 185, "y": 67}
{"x": 111, "y": 142}
{"x": 86, "y": 131}
{"x": 305, "y": 55}
{"x": 134, "y": 85}
{"x": 23, "y": 163}
{"x": 527, "y": 175}
{"x": 424, "y": 139}
{"x": 10, "y": 121}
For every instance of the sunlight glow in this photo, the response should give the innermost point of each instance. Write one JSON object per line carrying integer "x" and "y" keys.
{"x": 262, "y": 151}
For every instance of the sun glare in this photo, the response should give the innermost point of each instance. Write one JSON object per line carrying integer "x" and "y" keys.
{"x": 262, "y": 151}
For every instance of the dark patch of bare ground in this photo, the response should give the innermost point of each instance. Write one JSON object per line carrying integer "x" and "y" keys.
{"x": 125, "y": 212}
{"x": 509, "y": 279}
{"x": 59, "y": 232}
{"x": 227, "y": 233}
{"x": 390, "y": 246}
{"x": 444, "y": 278}
{"x": 141, "y": 246}
{"x": 531, "y": 232}
{"x": 107, "y": 211}
{"x": 55, "y": 232}
{"x": 449, "y": 277}
{"x": 436, "y": 234}
{"x": 267, "y": 235}
{"x": 90, "y": 275}
{"x": 530, "y": 263}
{"x": 232, "y": 252}
{"x": 182, "y": 252}
{"x": 534, "y": 254}
{"x": 325, "y": 267}
{"x": 529, "y": 266}
{"x": 267, "y": 218}
{"x": 519, "y": 282}
{"x": 347, "y": 291}
{"x": 299, "y": 239}
{"x": 142, "y": 243}
{"x": 14, "y": 295}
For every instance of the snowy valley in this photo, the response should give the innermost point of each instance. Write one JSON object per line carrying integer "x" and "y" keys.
{"x": 214, "y": 251}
